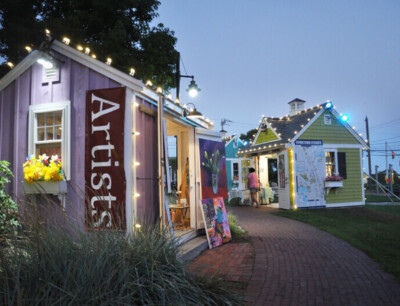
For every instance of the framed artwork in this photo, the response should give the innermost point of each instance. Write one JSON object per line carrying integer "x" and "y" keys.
{"x": 213, "y": 169}
{"x": 216, "y": 222}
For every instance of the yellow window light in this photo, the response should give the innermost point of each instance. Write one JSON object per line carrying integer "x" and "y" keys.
{"x": 108, "y": 61}
{"x": 66, "y": 40}
{"x": 132, "y": 72}
{"x": 29, "y": 49}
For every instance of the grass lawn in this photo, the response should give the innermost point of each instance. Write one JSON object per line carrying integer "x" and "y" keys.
{"x": 379, "y": 198}
{"x": 373, "y": 229}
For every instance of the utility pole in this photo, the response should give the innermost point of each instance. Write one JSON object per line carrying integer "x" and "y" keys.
{"x": 369, "y": 147}
{"x": 386, "y": 153}
{"x": 376, "y": 178}
{"x": 390, "y": 177}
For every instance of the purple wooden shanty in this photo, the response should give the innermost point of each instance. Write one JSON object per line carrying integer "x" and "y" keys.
{"x": 26, "y": 85}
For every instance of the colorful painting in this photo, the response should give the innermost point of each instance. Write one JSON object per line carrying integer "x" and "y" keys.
{"x": 213, "y": 169}
{"x": 216, "y": 222}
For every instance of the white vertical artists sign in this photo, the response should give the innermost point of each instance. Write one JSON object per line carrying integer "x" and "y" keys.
{"x": 310, "y": 173}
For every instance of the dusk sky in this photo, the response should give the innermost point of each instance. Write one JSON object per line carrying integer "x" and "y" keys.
{"x": 252, "y": 57}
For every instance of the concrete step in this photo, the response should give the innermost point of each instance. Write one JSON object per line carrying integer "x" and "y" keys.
{"x": 193, "y": 248}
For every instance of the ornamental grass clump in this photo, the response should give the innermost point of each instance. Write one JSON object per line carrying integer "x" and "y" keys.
{"x": 53, "y": 264}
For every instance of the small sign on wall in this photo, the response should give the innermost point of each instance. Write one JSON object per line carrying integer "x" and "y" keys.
{"x": 104, "y": 159}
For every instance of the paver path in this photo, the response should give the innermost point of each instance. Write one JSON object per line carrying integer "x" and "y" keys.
{"x": 297, "y": 264}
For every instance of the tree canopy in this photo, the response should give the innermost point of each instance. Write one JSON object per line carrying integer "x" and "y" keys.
{"x": 249, "y": 136}
{"x": 119, "y": 29}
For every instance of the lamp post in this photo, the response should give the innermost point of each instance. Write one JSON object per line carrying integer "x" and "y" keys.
{"x": 193, "y": 89}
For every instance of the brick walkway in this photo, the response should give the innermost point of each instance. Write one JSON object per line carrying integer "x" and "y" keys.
{"x": 297, "y": 264}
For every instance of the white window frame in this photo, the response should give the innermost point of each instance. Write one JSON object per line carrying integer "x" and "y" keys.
{"x": 65, "y": 108}
{"x": 336, "y": 159}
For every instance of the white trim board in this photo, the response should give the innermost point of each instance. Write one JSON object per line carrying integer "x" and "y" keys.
{"x": 344, "y": 204}
{"x": 20, "y": 69}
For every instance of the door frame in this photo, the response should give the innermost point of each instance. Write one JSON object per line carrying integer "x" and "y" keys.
{"x": 283, "y": 192}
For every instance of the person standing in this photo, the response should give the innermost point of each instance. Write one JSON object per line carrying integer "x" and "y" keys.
{"x": 253, "y": 185}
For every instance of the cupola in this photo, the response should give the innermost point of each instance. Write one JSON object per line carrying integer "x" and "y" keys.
{"x": 296, "y": 106}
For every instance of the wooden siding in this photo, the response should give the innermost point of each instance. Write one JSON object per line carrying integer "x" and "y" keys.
{"x": 146, "y": 174}
{"x": 266, "y": 136}
{"x": 334, "y": 133}
{"x": 352, "y": 186}
{"x": 229, "y": 174}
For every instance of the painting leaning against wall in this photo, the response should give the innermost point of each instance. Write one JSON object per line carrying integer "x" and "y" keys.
{"x": 216, "y": 222}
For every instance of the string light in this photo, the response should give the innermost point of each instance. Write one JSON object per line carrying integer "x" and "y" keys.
{"x": 136, "y": 133}
{"x": 137, "y": 195}
{"x": 29, "y": 49}
{"x": 47, "y": 31}
{"x": 132, "y": 72}
{"x": 11, "y": 65}
{"x": 94, "y": 56}
{"x": 66, "y": 40}
{"x": 136, "y": 164}
{"x": 149, "y": 83}
{"x": 87, "y": 50}
{"x": 136, "y": 104}
{"x": 159, "y": 89}
{"x": 109, "y": 61}
{"x": 177, "y": 102}
{"x": 79, "y": 47}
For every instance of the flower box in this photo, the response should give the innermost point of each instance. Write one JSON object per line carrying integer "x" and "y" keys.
{"x": 333, "y": 184}
{"x": 43, "y": 187}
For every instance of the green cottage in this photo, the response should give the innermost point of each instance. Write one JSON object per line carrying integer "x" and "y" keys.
{"x": 310, "y": 158}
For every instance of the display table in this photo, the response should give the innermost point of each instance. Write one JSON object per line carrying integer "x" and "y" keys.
{"x": 267, "y": 194}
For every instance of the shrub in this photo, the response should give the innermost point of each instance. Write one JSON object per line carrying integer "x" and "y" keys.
{"x": 8, "y": 208}
{"x": 53, "y": 264}
{"x": 236, "y": 230}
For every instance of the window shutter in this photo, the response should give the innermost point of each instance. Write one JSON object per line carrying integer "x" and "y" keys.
{"x": 342, "y": 164}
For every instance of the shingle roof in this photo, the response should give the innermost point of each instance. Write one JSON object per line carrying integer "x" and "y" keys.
{"x": 297, "y": 100}
{"x": 286, "y": 127}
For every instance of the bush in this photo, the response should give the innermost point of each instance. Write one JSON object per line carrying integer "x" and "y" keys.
{"x": 53, "y": 264}
{"x": 8, "y": 208}
{"x": 236, "y": 230}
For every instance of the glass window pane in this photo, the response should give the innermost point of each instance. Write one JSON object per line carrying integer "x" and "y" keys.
{"x": 49, "y": 148}
{"x": 40, "y": 134}
{"x": 49, "y": 133}
{"x": 49, "y": 119}
{"x": 40, "y": 119}
{"x": 58, "y": 118}
{"x": 57, "y": 132}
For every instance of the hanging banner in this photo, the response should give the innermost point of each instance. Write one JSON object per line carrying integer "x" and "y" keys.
{"x": 213, "y": 169}
{"x": 104, "y": 159}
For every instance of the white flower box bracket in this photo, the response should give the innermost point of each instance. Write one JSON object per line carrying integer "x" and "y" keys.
{"x": 41, "y": 187}
{"x": 333, "y": 184}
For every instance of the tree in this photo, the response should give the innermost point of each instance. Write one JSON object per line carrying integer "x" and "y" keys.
{"x": 117, "y": 29}
{"x": 8, "y": 208}
{"x": 249, "y": 136}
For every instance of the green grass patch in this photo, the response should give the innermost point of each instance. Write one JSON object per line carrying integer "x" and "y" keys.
{"x": 379, "y": 198}
{"x": 373, "y": 229}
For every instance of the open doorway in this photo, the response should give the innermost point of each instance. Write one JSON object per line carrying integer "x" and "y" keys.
{"x": 179, "y": 198}
{"x": 268, "y": 175}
